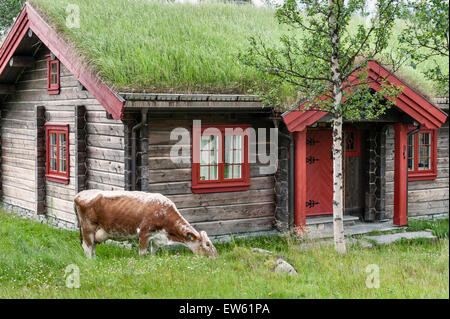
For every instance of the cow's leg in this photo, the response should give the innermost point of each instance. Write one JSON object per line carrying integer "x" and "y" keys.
{"x": 153, "y": 248}
{"x": 144, "y": 237}
{"x": 88, "y": 240}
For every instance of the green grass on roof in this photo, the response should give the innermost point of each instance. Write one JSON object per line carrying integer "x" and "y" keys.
{"x": 153, "y": 46}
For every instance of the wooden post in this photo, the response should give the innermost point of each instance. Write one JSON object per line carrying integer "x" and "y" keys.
{"x": 80, "y": 148}
{"x": 400, "y": 175}
{"x": 128, "y": 122}
{"x": 300, "y": 182}
{"x": 39, "y": 169}
{"x": 143, "y": 168}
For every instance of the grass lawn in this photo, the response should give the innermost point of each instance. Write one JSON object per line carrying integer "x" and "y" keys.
{"x": 33, "y": 259}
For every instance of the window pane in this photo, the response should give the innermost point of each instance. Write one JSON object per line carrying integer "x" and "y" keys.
{"x": 213, "y": 157}
{"x": 424, "y": 163}
{"x": 204, "y": 145}
{"x": 228, "y": 142}
{"x": 53, "y": 149}
{"x": 53, "y": 164}
{"x": 237, "y": 157}
{"x": 424, "y": 138}
{"x": 204, "y": 157}
{"x": 204, "y": 173}
{"x": 228, "y": 171}
{"x": 213, "y": 172}
{"x": 62, "y": 166}
{"x": 54, "y": 79}
{"x": 237, "y": 171}
{"x": 52, "y": 138}
{"x": 411, "y": 140}
{"x": 54, "y": 67}
{"x": 213, "y": 142}
{"x": 237, "y": 142}
{"x": 228, "y": 150}
{"x": 424, "y": 151}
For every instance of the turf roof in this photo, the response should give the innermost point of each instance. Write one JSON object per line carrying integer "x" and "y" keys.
{"x": 152, "y": 46}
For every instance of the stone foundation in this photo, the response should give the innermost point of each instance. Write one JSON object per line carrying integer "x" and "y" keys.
{"x": 41, "y": 218}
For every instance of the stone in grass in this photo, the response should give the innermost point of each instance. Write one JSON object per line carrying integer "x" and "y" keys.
{"x": 283, "y": 267}
{"x": 326, "y": 243}
{"x": 390, "y": 238}
{"x": 261, "y": 251}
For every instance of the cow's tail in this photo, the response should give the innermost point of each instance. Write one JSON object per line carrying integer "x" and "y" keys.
{"x": 78, "y": 222}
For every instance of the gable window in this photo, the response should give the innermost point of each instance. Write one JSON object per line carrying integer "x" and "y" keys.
{"x": 351, "y": 142}
{"x": 57, "y": 151}
{"x": 52, "y": 75}
{"x": 223, "y": 163}
{"x": 422, "y": 156}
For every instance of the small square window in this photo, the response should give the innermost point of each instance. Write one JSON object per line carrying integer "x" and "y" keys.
{"x": 53, "y": 77}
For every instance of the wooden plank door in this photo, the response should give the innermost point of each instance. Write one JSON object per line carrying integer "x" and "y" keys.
{"x": 319, "y": 173}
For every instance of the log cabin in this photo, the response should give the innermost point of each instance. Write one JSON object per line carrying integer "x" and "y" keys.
{"x": 66, "y": 126}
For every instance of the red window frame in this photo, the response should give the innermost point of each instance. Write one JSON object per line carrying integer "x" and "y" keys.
{"x": 53, "y": 88}
{"x": 417, "y": 174}
{"x": 221, "y": 184}
{"x": 57, "y": 175}
{"x": 356, "y": 150}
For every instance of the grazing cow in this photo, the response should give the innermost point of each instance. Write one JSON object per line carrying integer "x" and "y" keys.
{"x": 126, "y": 214}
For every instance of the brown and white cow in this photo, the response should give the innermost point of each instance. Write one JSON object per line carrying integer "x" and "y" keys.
{"x": 119, "y": 215}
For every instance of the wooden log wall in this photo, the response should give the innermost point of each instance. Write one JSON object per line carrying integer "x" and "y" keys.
{"x": 216, "y": 213}
{"x": 424, "y": 197}
{"x": 103, "y": 143}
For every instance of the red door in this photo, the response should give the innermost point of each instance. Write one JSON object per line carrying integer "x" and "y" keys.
{"x": 319, "y": 173}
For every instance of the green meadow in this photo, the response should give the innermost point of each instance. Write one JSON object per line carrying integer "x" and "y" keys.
{"x": 34, "y": 258}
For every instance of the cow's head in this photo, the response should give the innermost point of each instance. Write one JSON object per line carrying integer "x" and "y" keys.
{"x": 201, "y": 245}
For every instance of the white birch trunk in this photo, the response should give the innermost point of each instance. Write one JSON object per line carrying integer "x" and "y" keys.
{"x": 338, "y": 190}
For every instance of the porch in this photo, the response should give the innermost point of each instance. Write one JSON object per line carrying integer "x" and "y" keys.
{"x": 312, "y": 189}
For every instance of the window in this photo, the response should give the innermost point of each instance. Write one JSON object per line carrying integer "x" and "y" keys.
{"x": 57, "y": 150}
{"x": 351, "y": 144}
{"x": 222, "y": 159}
{"x": 422, "y": 155}
{"x": 52, "y": 75}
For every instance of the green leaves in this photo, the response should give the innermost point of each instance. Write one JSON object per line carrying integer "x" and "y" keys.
{"x": 326, "y": 39}
{"x": 9, "y": 9}
{"x": 426, "y": 38}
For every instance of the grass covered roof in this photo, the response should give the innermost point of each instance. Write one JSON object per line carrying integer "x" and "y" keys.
{"x": 153, "y": 46}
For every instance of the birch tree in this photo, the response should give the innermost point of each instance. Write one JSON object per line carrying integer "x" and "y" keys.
{"x": 9, "y": 9}
{"x": 426, "y": 38}
{"x": 325, "y": 43}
